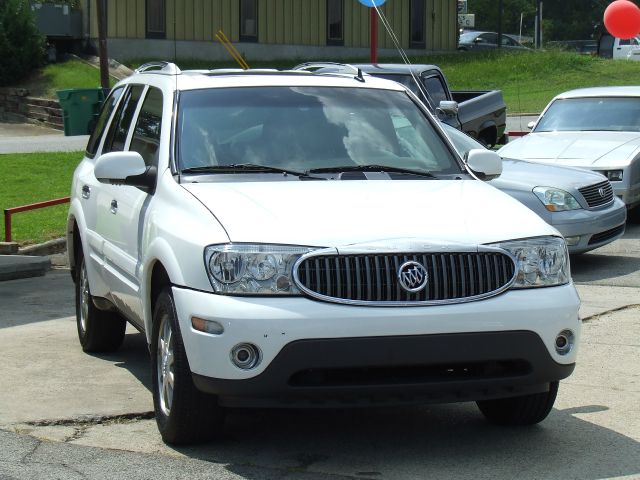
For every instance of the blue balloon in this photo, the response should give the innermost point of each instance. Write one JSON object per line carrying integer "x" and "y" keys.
{"x": 372, "y": 3}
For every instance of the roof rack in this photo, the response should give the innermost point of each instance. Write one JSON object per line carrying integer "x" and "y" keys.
{"x": 331, "y": 67}
{"x": 165, "y": 68}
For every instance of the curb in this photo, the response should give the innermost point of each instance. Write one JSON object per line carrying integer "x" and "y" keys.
{"x": 13, "y": 267}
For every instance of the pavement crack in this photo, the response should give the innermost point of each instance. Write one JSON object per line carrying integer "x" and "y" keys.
{"x": 25, "y": 459}
{"x": 607, "y": 312}
{"x": 85, "y": 422}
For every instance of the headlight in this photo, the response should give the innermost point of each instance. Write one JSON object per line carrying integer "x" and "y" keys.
{"x": 540, "y": 262}
{"x": 556, "y": 200}
{"x": 242, "y": 269}
{"x": 613, "y": 175}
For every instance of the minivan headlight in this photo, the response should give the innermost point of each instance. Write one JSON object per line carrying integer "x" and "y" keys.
{"x": 245, "y": 269}
{"x": 540, "y": 262}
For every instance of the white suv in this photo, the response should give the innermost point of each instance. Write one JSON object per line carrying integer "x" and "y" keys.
{"x": 298, "y": 239}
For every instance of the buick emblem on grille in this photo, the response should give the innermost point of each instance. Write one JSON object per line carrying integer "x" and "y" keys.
{"x": 601, "y": 192}
{"x": 412, "y": 276}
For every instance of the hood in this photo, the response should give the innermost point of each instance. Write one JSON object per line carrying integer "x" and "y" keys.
{"x": 334, "y": 213}
{"x": 524, "y": 175}
{"x": 579, "y": 149}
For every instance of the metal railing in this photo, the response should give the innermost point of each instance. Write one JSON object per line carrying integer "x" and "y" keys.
{"x": 8, "y": 212}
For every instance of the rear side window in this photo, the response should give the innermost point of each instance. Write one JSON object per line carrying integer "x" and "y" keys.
{"x": 146, "y": 136}
{"x": 107, "y": 108}
{"x": 121, "y": 123}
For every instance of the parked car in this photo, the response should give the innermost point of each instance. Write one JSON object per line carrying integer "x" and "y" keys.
{"x": 481, "y": 114}
{"x": 593, "y": 128}
{"x": 567, "y": 198}
{"x": 487, "y": 41}
{"x": 291, "y": 239}
{"x": 618, "y": 48}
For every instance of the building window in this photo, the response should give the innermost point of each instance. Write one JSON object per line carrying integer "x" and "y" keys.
{"x": 156, "y": 19}
{"x": 335, "y": 22}
{"x": 416, "y": 18}
{"x": 248, "y": 20}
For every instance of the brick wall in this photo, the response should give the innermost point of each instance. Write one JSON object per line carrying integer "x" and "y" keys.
{"x": 17, "y": 105}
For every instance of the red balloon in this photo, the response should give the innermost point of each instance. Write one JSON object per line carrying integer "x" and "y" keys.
{"x": 622, "y": 19}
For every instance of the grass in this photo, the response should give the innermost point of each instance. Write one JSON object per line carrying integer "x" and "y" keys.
{"x": 60, "y": 76}
{"x": 36, "y": 177}
{"x": 528, "y": 80}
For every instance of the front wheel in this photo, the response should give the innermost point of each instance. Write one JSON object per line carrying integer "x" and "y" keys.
{"x": 524, "y": 410}
{"x": 184, "y": 414}
{"x": 98, "y": 331}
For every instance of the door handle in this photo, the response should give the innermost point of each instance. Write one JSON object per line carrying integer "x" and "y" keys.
{"x": 86, "y": 191}
{"x": 114, "y": 206}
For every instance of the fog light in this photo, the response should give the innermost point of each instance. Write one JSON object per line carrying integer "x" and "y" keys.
{"x": 564, "y": 342}
{"x": 207, "y": 326}
{"x": 571, "y": 241}
{"x": 246, "y": 356}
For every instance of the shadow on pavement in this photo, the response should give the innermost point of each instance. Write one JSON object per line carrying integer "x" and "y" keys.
{"x": 133, "y": 356}
{"x": 442, "y": 441}
{"x": 592, "y": 267}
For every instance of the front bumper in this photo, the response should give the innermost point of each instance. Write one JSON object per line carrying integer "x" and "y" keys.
{"x": 392, "y": 370}
{"x": 594, "y": 228}
{"x": 386, "y": 336}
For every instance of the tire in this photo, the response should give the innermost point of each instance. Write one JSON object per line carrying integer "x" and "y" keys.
{"x": 524, "y": 410}
{"x": 98, "y": 330}
{"x": 184, "y": 414}
{"x": 633, "y": 215}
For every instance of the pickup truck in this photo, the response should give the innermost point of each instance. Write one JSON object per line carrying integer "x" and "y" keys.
{"x": 481, "y": 114}
{"x": 619, "y": 49}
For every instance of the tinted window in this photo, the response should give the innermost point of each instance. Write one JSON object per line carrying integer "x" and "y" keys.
{"x": 335, "y": 10}
{"x": 107, "y": 108}
{"x": 592, "y": 114}
{"x": 436, "y": 90}
{"x": 146, "y": 135}
{"x": 417, "y": 16}
{"x": 122, "y": 121}
{"x": 491, "y": 38}
{"x": 249, "y": 20}
{"x": 303, "y": 128}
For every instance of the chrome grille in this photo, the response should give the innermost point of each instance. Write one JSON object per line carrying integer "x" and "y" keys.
{"x": 366, "y": 279}
{"x": 596, "y": 197}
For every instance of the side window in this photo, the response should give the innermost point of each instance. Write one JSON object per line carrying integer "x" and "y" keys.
{"x": 146, "y": 135}
{"x": 436, "y": 90}
{"x": 107, "y": 108}
{"x": 121, "y": 123}
{"x": 622, "y": 42}
{"x": 489, "y": 38}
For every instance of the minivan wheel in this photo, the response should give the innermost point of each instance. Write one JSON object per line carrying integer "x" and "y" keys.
{"x": 184, "y": 414}
{"x": 524, "y": 410}
{"x": 98, "y": 331}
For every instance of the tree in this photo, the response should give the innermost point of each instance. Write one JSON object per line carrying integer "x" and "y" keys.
{"x": 562, "y": 20}
{"x": 21, "y": 44}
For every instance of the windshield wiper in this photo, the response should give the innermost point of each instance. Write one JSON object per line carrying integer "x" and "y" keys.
{"x": 372, "y": 168}
{"x": 248, "y": 168}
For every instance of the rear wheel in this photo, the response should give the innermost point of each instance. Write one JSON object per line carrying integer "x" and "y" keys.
{"x": 98, "y": 331}
{"x": 524, "y": 410}
{"x": 184, "y": 414}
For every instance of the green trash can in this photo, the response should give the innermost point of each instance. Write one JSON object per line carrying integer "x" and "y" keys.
{"x": 79, "y": 107}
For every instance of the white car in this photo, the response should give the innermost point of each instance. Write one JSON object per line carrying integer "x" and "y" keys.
{"x": 295, "y": 239}
{"x": 593, "y": 128}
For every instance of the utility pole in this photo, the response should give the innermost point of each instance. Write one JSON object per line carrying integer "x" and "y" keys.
{"x": 102, "y": 43}
{"x": 538, "y": 33}
{"x": 500, "y": 23}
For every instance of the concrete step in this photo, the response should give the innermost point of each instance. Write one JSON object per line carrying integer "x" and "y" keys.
{"x": 13, "y": 267}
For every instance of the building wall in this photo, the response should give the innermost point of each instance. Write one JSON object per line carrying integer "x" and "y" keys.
{"x": 280, "y": 22}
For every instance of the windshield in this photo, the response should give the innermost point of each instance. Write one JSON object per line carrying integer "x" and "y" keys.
{"x": 588, "y": 114}
{"x": 306, "y": 128}
{"x": 461, "y": 141}
{"x": 468, "y": 37}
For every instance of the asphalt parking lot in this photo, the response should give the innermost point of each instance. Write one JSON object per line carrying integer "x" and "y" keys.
{"x": 65, "y": 414}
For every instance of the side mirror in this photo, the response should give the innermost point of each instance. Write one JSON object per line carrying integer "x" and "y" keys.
{"x": 126, "y": 168}
{"x": 530, "y": 125}
{"x": 486, "y": 164}
{"x": 448, "y": 107}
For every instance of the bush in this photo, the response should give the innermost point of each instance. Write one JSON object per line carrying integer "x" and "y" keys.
{"x": 21, "y": 44}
